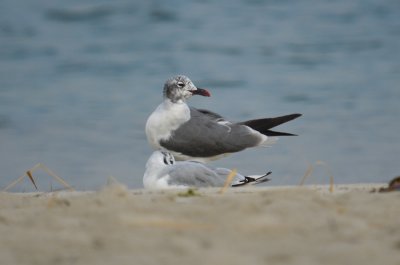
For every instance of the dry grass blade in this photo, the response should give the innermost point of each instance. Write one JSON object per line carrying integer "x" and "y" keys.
{"x": 307, "y": 174}
{"x": 31, "y": 178}
{"x": 29, "y": 175}
{"x": 329, "y": 172}
{"x": 15, "y": 182}
{"x": 59, "y": 179}
{"x": 228, "y": 181}
{"x": 310, "y": 170}
{"x": 19, "y": 179}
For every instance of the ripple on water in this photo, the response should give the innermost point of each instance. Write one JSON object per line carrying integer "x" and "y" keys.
{"x": 79, "y": 13}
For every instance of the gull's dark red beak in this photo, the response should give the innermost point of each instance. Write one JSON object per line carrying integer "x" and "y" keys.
{"x": 201, "y": 92}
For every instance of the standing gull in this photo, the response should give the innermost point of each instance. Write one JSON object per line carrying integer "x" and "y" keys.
{"x": 162, "y": 171}
{"x": 202, "y": 135}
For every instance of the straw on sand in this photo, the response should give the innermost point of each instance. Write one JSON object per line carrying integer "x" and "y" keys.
{"x": 228, "y": 181}
{"x": 310, "y": 170}
{"x": 30, "y": 176}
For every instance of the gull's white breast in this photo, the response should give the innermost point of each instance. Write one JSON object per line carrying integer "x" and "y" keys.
{"x": 166, "y": 118}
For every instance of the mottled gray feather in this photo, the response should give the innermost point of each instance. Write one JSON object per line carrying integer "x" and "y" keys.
{"x": 203, "y": 136}
{"x": 212, "y": 115}
{"x": 194, "y": 174}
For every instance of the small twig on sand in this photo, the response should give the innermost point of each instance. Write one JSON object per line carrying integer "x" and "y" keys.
{"x": 30, "y": 176}
{"x": 228, "y": 181}
{"x": 331, "y": 183}
{"x": 310, "y": 170}
{"x": 307, "y": 174}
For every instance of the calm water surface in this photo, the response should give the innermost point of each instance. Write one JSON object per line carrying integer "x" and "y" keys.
{"x": 78, "y": 80}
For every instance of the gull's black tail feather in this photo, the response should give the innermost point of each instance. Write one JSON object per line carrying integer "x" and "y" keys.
{"x": 264, "y": 125}
{"x": 252, "y": 180}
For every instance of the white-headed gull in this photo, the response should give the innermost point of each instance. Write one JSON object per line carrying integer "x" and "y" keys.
{"x": 162, "y": 171}
{"x": 202, "y": 135}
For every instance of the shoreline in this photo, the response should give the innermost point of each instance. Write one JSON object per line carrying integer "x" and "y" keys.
{"x": 324, "y": 188}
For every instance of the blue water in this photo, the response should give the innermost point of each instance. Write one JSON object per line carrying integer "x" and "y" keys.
{"x": 78, "y": 80}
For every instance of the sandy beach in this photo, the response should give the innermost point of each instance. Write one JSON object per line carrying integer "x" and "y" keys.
{"x": 272, "y": 225}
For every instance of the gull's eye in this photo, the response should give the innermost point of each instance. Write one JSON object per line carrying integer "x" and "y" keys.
{"x": 165, "y": 157}
{"x": 168, "y": 158}
{"x": 181, "y": 84}
{"x": 165, "y": 160}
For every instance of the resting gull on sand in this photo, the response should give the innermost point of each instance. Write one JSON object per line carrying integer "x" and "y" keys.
{"x": 162, "y": 171}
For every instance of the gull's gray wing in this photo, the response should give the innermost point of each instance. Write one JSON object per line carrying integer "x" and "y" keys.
{"x": 194, "y": 174}
{"x": 204, "y": 136}
{"x": 212, "y": 115}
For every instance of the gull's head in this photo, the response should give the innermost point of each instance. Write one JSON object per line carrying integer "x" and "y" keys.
{"x": 160, "y": 159}
{"x": 180, "y": 88}
{"x": 155, "y": 168}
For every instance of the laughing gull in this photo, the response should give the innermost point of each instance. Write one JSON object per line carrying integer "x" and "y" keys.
{"x": 202, "y": 135}
{"x": 162, "y": 171}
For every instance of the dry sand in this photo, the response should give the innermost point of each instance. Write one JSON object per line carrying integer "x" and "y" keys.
{"x": 279, "y": 225}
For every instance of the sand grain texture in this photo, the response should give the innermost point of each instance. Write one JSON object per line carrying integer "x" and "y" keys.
{"x": 302, "y": 225}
